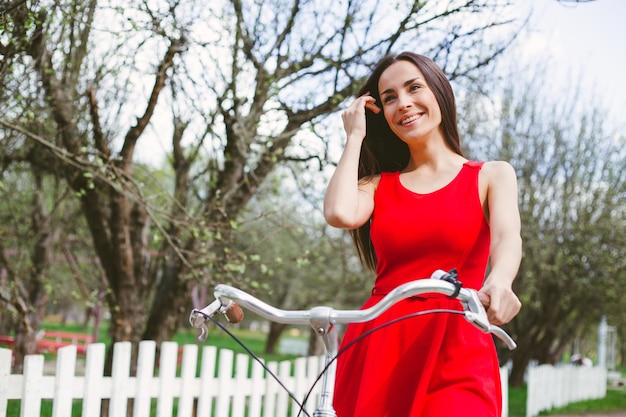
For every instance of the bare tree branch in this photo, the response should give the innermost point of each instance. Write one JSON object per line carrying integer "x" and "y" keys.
{"x": 176, "y": 47}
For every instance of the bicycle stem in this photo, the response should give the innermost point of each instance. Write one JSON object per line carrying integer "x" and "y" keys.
{"x": 328, "y": 332}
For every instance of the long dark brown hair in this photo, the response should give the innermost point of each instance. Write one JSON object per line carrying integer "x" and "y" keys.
{"x": 383, "y": 150}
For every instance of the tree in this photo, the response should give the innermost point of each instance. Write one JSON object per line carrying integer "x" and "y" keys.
{"x": 34, "y": 218}
{"x": 572, "y": 187}
{"x": 232, "y": 84}
{"x": 295, "y": 260}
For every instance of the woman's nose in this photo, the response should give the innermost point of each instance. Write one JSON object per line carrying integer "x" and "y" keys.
{"x": 404, "y": 101}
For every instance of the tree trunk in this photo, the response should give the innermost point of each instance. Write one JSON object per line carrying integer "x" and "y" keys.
{"x": 518, "y": 371}
{"x": 276, "y": 329}
{"x": 168, "y": 305}
{"x": 316, "y": 344}
{"x": 25, "y": 342}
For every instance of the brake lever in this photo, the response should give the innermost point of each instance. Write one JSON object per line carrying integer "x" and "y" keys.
{"x": 476, "y": 315}
{"x": 198, "y": 318}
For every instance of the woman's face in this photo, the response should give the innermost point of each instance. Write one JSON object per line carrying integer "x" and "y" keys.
{"x": 409, "y": 105}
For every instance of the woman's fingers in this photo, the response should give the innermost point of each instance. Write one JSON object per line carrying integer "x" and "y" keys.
{"x": 354, "y": 116}
{"x": 484, "y": 299}
{"x": 503, "y": 306}
{"x": 371, "y": 105}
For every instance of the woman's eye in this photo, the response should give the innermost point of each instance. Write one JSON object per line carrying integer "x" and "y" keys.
{"x": 415, "y": 87}
{"x": 387, "y": 99}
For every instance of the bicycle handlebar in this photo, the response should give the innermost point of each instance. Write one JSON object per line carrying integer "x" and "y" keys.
{"x": 227, "y": 300}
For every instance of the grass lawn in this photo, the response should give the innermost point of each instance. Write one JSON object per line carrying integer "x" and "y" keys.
{"x": 517, "y": 401}
{"x": 615, "y": 400}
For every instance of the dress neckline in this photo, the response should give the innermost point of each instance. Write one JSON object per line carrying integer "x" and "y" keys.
{"x": 452, "y": 181}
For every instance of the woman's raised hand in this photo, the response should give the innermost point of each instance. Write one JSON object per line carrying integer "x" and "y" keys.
{"x": 354, "y": 116}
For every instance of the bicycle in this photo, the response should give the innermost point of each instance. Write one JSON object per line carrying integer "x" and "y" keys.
{"x": 323, "y": 319}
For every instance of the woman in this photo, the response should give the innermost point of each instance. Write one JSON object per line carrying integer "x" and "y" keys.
{"x": 415, "y": 204}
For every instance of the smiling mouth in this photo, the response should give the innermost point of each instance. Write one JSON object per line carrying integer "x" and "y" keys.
{"x": 410, "y": 119}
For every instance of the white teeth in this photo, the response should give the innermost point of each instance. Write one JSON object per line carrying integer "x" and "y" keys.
{"x": 409, "y": 119}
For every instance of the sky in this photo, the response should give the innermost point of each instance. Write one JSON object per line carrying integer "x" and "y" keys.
{"x": 588, "y": 39}
{"x": 585, "y": 41}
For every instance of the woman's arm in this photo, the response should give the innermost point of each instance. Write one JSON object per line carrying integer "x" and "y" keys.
{"x": 348, "y": 203}
{"x": 506, "y": 241}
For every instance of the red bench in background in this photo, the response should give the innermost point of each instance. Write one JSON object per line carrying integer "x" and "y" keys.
{"x": 50, "y": 341}
{"x": 6, "y": 341}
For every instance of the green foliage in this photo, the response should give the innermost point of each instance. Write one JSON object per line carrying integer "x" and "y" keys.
{"x": 571, "y": 179}
{"x": 292, "y": 253}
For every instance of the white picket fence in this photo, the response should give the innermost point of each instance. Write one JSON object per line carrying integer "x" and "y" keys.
{"x": 227, "y": 385}
{"x": 221, "y": 389}
{"x": 556, "y": 386}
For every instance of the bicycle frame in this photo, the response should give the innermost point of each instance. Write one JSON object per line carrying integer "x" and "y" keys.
{"x": 324, "y": 319}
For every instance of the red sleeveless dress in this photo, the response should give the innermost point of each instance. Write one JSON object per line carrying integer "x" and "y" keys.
{"x": 434, "y": 365}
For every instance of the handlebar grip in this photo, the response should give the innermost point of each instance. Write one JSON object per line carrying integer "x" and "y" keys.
{"x": 234, "y": 313}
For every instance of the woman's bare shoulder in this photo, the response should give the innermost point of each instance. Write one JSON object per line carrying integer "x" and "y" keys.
{"x": 497, "y": 169}
{"x": 498, "y": 175}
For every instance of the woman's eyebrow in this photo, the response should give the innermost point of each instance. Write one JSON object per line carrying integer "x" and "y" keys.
{"x": 406, "y": 84}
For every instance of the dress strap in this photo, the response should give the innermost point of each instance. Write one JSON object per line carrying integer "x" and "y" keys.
{"x": 474, "y": 164}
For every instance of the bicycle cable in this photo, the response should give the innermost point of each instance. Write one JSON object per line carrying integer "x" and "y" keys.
{"x": 339, "y": 352}
{"x": 364, "y": 335}
{"x": 256, "y": 358}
